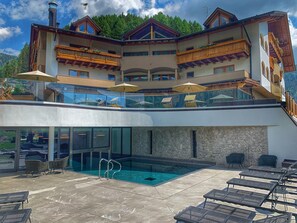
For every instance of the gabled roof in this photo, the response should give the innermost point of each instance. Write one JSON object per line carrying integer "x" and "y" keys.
{"x": 170, "y": 33}
{"x": 87, "y": 19}
{"x": 216, "y": 13}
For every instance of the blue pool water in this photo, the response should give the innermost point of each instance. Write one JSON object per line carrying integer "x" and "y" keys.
{"x": 148, "y": 172}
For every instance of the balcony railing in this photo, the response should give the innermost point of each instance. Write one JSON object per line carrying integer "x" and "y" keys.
{"x": 277, "y": 70}
{"x": 276, "y": 90}
{"x": 215, "y": 53}
{"x": 87, "y": 57}
{"x": 101, "y": 97}
{"x": 274, "y": 48}
{"x": 291, "y": 105}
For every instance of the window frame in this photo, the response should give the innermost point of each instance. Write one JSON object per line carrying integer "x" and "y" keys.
{"x": 224, "y": 69}
{"x": 79, "y": 73}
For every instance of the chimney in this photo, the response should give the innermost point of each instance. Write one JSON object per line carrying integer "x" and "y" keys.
{"x": 52, "y": 13}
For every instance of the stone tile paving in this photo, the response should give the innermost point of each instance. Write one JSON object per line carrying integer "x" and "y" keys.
{"x": 74, "y": 197}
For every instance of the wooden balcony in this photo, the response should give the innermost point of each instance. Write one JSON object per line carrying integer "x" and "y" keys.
{"x": 276, "y": 69}
{"x": 234, "y": 49}
{"x": 87, "y": 58}
{"x": 276, "y": 90}
{"x": 274, "y": 48}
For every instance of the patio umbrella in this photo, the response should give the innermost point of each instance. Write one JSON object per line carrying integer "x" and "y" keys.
{"x": 36, "y": 76}
{"x": 220, "y": 97}
{"x": 144, "y": 103}
{"x": 124, "y": 87}
{"x": 189, "y": 88}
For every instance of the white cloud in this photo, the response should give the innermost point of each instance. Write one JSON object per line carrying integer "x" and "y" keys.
{"x": 293, "y": 31}
{"x": 7, "y": 32}
{"x": 102, "y": 7}
{"x": 28, "y": 9}
{"x": 10, "y": 51}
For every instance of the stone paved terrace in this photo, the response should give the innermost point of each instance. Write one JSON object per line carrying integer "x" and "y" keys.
{"x": 73, "y": 197}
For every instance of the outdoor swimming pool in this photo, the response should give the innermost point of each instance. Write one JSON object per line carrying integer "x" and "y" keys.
{"x": 148, "y": 172}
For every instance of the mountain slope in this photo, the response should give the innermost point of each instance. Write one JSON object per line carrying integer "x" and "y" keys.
{"x": 4, "y": 58}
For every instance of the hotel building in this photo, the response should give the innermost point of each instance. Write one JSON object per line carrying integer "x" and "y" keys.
{"x": 240, "y": 62}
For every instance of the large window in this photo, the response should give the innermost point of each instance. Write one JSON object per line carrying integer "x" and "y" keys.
{"x": 190, "y": 74}
{"x": 82, "y": 138}
{"x": 164, "y": 52}
{"x": 163, "y": 77}
{"x": 111, "y": 77}
{"x": 78, "y": 73}
{"x": 100, "y": 137}
{"x": 132, "y": 54}
{"x": 225, "y": 69}
{"x": 142, "y": 77}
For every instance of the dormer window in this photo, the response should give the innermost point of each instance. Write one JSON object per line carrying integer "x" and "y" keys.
{"x": 82, "y": 28}
{"x": 90, "y": 29}
{"x": 224, "y": 20}
{"x": 215, "y": 23}
{"x": 85, "y": 25}
{"x": 219, "y": 17}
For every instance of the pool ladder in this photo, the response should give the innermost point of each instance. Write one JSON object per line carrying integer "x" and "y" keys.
{"x": 110, "y": 166}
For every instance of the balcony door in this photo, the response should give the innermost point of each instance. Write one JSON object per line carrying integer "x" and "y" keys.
{"x": 8, "y": 150}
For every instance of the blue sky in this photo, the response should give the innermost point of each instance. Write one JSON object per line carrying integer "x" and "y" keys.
{"x": 16, "y": 16}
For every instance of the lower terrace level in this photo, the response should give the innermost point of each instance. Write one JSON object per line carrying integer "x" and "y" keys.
{"x": 86, "y": 134}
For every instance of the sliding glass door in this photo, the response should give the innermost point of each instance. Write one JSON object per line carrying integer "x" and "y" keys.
{"x": 8, "y": 150}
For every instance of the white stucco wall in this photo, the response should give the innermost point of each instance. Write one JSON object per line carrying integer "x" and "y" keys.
{"x": 282, "y": 131}
{"x": 100, "y": 74}
{"x": 51, "y": 67}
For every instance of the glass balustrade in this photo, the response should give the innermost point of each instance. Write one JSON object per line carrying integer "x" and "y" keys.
{"x": 91, "y": 96}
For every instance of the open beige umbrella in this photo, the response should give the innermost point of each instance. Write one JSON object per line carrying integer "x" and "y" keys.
{"x": 124, "y": 87}
{"x": 36, "y": 76}
{"x": 221, "y": 97}
{"x": 189, "y": 88}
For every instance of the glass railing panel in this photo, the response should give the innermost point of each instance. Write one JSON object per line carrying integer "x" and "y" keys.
{"x": 91, "y": 96}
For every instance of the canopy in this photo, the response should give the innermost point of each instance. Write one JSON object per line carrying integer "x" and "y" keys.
{"x": 124, "y": 87}
{"x": 189, "y": 88}
{"x": 221, "y": 96}
{"x": 36, "y": 76}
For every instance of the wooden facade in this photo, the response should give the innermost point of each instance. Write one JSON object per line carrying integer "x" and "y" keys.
{"x": 234, "y": 49}
{"x": 87, "y": 58}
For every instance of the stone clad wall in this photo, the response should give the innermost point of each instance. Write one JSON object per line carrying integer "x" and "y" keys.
{"x": 213, "y": 143}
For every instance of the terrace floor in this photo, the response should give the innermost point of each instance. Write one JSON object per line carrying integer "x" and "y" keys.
{"x": 74, "y": 197}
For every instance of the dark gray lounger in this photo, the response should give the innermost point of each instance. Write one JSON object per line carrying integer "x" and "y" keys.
{"x": 225, "y": 209}
{"x": 10, "y": 207}
{"x": 241, "y": 197}
{"x": 15, "y": 216}
{"x": 194, "y": 215}
{"x": 253, "y": 184}
{"x": 284, "y": 218}
{"x": 17, "y": 197}
{"x": 262, "y": 175}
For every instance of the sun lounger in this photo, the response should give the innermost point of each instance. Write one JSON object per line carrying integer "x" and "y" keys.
{"x": 262, "y": 175}
{"x": 194, "y": 215}
{"x": 237, "y": 212}
{"x": 15, "y": 216}
{"x": 268, "y": 169}
{"x": 284, "y": 218}
{"x": 240, "y": 197}
{"x": 18, "y": 197}
{"x": 252, "y": 184}
{"x": 10, "y": 207}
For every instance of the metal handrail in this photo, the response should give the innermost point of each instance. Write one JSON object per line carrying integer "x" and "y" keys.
{"x": 109, "y": 162}
{"x": 120, "y": 165}
{"x": 102, "y": 159}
